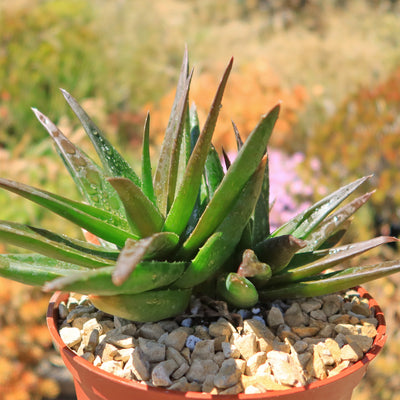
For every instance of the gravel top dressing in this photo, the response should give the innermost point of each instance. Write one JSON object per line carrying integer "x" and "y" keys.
{"x": 270, "y": 347}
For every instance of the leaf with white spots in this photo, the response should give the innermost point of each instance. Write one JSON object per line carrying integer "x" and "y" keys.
{"x": 88, "y": 176}
{"x": 113, "y": 163}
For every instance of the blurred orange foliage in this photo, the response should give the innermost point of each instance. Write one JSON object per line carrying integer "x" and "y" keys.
{"x": 362, "y": 138}
{"x": 24, "y": 342}
{"x": 252, "y": 90}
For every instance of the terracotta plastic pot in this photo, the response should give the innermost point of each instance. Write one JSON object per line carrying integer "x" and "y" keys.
{"x": 92, "y": 383}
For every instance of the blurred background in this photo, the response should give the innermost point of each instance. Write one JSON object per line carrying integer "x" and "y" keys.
{"x": 335, "y": 64}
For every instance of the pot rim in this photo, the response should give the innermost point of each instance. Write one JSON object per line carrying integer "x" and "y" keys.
{"x": 378, "y": 343}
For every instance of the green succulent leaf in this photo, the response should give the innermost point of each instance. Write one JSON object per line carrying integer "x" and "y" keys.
{"x": 148, "y": 275}
{"x": 260, "y": 220}
{"x": 183, "y": 204}
{"x": 143, "y": 216}
{"x": 198, "y": 210}
{"x": 89, "y": 178}
{"x": 219, "y": 247}
{"x": 278, "y": 251}
{"x": 112, "y": 161}
{"x": 330, "y": 283}
{"x": 305, "y": 223}
{"x": 165, "y": 177}
{"x": 156, "y": 246}
{"x": 194, "y": 126}
{"x": 336, "y": 237}
{"x": 101, "y": 223}
{"x": 236, "y": 177}
{"x": 185, "y": 148}
{"x": 213, "y": 172}
{"x": 34, "y": 269}
{"x": 239, "y": 141}
{"x": 237, "y": 290}
{"x": 106, "y": 252}
{"x": 178, "y": 147}
{"x": 147, "y": 179}
{"x": 333, "y": 223}
{"x": 39, "y": 240}
{"x": 227, "y": 160}
{"x": 150, "y": 306}
{"x": 330, "y": 258}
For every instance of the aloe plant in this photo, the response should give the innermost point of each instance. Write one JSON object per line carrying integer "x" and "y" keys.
{"x": 188, "y": 229}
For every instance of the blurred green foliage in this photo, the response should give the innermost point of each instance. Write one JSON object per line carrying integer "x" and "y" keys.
{"x": 43, "y": 47}
{"x": 82, "y": 46}
{"x": 127, "y": 52}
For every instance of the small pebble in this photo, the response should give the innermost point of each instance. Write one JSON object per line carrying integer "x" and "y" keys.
{"x": 187, "y": 322}
{"x": 191, "y": 342}
{"x": 70, "y": 336}
{"x": 258, "y": 318}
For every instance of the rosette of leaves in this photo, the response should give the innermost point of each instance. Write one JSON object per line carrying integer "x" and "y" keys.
{"x": 189, "y": 228}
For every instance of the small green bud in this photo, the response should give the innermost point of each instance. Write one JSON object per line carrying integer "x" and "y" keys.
{"x": 237, "y": 290}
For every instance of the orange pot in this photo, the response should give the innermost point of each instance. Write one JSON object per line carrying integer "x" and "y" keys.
{"x": 92, "y": 383}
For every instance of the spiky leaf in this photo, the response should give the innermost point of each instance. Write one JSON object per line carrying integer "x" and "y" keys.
{"x": 143, "y": 216}
{"x": 156, "y": 246}
{"x": 184, "y": 202}
{"x": 113, "y": 163}
{"x": 167, "y": 167}
{"x": 329, "y": 258}
{"x": 236, "y": 177}
{"x": 219, "y": 247}
{"x": 93, "y": 219}
{"x": 34, "y": 269}
{"x": 39, "y": 241}
{"x": 147, "y": 179}
{"x": 306, "y": 222}
{"x": 89, "y": 178}
{"x": 331, "y": 283}
{"x": 333, "y": 223}
{"x": 148, "y": 275}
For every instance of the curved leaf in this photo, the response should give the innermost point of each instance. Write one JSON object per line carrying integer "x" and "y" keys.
{"x": 34, "y": 269}
{"x": 183, "y": 204}
{"x": 148, "y": 275}
{"x": 113, "y": 163}
{"x": 88, "y": 217}
{"x": 219, "y": 247}
{"x": 236, "y": 177}
{"x": 332, "y": 257}
{"x": 89, "y": 178}
{"x": 143, "y": 216}
{"x": 331, "y": 283}
{"x": 151, "y": 306}
{"x": 237, "y": 290}
{"x": 278, "y": 251}
{"x": 29, "y": 238}
{"x": 147, "y": 179}
{"x": 303, "y": 224}
{"x": 167, "y": 167}
{"x": 156, "y": 246}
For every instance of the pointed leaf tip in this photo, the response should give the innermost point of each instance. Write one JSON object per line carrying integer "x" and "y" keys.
{"x": 39, "y": 115}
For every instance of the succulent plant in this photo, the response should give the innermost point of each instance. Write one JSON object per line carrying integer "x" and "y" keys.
{"x": 189, "y": 229}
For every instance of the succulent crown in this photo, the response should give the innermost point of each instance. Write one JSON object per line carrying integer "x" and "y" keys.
{"x": 190, "y": 228}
